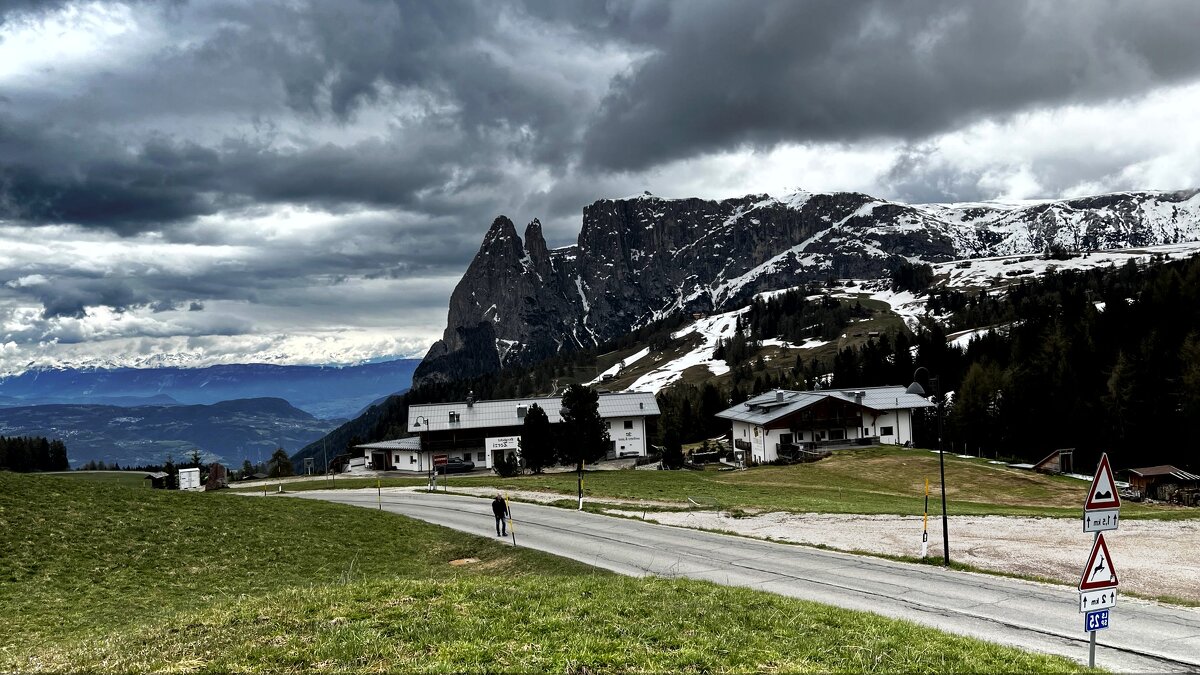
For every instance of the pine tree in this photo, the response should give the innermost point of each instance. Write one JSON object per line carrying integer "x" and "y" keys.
{"x": 672, "y": 457}
{"x": 583, "y": 434}
{"x": 537, "y": 440}
{"x": 281, "y": 464}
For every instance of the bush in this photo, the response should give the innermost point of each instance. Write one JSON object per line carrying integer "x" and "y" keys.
{"x": 508, "y": 466}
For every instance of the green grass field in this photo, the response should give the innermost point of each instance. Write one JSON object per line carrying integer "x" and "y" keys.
{"x": 881, "y": 480}
{"x": 101, "y": 577}
{"x": 127, "y": 478}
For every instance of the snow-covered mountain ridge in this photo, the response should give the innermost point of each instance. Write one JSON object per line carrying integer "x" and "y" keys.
{"x": 644, "y": 258}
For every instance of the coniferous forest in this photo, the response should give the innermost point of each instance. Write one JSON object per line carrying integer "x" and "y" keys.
{"x": 26, "y": 454}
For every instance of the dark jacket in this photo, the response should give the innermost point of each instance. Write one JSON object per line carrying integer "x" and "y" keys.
{"x": 499, "y": 507}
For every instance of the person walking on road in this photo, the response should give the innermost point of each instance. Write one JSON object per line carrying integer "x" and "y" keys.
{"x": 500, "y": 510}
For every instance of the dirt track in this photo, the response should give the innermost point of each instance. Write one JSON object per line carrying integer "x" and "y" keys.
{"x": 1151, "y": 557}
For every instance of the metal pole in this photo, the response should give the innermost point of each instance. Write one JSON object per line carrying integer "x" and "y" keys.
{"x": 1092, "y": 650}
{"x": 581, "y": 482}
{"x": 379, "y": 493}
{"x": 1092, "y": 637}
{"x": 942, "y": 469}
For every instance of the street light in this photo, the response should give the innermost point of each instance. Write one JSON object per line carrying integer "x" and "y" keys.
{"x": 916, "y": 388}
{"x": 417, "y": 422}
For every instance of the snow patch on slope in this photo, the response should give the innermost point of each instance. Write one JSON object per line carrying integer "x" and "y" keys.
{"x": 711, "y": 330}
{"x": 624, "y": 363}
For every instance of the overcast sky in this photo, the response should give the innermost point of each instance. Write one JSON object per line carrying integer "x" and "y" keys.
{"x": 304, "y": 182}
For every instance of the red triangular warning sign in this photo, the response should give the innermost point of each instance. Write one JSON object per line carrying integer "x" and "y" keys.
{"x": 1099, "y": 572}
{"x": 1103, "y": 494}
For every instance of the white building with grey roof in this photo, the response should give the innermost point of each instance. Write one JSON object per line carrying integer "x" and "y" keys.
{"x": 785, "y": 423}
{"x": 484, "y": 431}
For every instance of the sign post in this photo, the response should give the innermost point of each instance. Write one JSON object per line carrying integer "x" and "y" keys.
{"x": 1098, "y": 584}
{"x": 437, "y": 460}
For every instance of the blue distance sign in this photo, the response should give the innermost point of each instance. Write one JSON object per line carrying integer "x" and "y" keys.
{"x": 1097, "y": 620}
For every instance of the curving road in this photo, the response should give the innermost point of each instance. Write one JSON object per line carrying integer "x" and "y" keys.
{"x": 1143, "y": 637}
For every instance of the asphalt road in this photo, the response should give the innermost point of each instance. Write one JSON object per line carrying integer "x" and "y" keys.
{"x": 1143, "y": 637}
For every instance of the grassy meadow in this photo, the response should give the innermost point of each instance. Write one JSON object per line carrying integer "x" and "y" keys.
{"x": 877, "y": 480}
{"x": 126, "y": 478}
{"x": 103, "y": 577}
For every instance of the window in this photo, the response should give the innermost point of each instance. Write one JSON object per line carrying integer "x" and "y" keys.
{"x": 785, "y": 439}
{"x": 608, "y": 424}
{"x": 522, "y": 410}
{"x": 453, "y": 417}
{"x": 481, "y": 457}
{"x": 412, "y": 459}
{"x": 837, "y": 434}
{"x": 628, "y": 424}
{"x": 396, "y": 459}
{"x": 885, "y": 431}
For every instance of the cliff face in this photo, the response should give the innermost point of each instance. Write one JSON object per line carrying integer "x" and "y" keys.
{"x": 644, "y": 258}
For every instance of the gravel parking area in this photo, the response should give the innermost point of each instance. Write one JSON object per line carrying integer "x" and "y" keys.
{"x": 1152, "y": 557}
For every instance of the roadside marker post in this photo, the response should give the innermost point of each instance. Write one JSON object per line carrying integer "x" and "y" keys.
{"x": 925, "y": 523}
{"x": 1098, "y": 583}
{"x": 511, "y": 528}
{"x": 379, "y": 493}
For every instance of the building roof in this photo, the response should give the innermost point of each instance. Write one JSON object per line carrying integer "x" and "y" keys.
{"x": 156, "y": 475}
{"x": 503, "y": 413}
{"x": 1164, "y": 470}
{"x": 410, "y": 444}
{"x": 773, "y": 405}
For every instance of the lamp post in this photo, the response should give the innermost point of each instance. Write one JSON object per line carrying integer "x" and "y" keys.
{"x": 421, "y": 419}
{"x": 916, "y": 388}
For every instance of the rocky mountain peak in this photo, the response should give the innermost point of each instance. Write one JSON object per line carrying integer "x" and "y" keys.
{"x": 501, "y": 239}
{"x": 535, "y": 247}
{"x": 645, "y": 257}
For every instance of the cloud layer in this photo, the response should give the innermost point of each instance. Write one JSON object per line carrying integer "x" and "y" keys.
{"x": 299, "y": 180}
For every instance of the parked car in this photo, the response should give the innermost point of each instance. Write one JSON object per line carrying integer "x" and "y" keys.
{"x": 456, "y": 466}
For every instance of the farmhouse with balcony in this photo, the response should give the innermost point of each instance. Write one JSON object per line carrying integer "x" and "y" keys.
{"x": 790, "y": 424}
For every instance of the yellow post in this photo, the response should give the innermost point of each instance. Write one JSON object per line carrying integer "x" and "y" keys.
{"x": 511, "y": 529}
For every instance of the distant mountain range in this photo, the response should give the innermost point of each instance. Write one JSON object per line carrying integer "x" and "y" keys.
{"x": 326, "y": 392}
{"x": 229, "y": 431}
{"x": 646, "y": 258}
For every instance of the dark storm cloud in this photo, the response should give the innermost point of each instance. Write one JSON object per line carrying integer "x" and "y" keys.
{"x": 467, "y": 107}
{"x": 475, "y": 95}
{"x": 73, "y": 177}
{"x": 12, "y": 9}
{"x": 727, "y": 74}
{"x": 48, "y": 177}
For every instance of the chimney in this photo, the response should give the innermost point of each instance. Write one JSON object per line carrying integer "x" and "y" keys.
{"x": 779, "y": 395}
{"x": 471, "y": 399}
